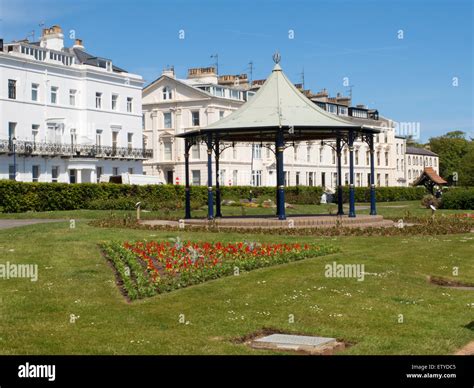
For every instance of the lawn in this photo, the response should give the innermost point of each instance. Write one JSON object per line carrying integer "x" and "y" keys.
{"x": 74, "y": 278}
{"x": 387, "y": 209}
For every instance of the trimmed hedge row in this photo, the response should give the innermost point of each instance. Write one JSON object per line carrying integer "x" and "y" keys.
{"x": 459, "y": 199}
{"x": 26, "y": 196}
{"x": 385, "y": 194}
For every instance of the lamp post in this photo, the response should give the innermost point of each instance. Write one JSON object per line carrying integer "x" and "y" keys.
{"x": 14, "y": 158}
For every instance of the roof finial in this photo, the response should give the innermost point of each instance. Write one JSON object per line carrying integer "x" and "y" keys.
{"x": 276, "y": 57}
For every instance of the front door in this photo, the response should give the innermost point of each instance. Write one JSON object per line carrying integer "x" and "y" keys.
{"x": 169, "y": 177}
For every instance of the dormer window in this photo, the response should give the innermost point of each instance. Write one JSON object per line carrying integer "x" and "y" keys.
{"x": 167, "y": 94}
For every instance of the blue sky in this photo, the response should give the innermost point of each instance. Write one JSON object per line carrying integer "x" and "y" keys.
{"x": 408, "y": 80}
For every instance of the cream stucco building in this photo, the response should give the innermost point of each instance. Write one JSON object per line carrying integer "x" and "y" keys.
{"x": 172, "y": 106}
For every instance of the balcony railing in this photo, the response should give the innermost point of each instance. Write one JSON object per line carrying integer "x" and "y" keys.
{"x": 30, "y": 148}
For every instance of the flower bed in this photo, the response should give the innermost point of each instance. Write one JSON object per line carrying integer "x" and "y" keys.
{"x": 146, "y": 268}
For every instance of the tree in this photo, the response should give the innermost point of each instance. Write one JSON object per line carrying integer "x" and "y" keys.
{"x": 451, "y": 148}
{"x": 411, "y": 142}
{"x": 466, "y": 170}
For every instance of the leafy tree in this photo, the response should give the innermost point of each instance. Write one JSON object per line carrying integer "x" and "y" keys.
{"x": 451, "y": 148}
{"x": 411, "y": 142}
{"x": 466, "y": 170}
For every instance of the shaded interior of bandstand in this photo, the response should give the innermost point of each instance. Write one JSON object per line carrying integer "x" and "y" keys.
{"x": 277, "y": 139}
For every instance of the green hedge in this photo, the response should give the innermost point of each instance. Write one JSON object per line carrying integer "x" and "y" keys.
{"x": 25, "y": 196}
{"x": 385, "y": 194}
{"x": 458, "y": 198}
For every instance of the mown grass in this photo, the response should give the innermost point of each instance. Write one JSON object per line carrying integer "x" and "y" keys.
{"x": 397, "y": 210}
{"x": 74, "y": 278}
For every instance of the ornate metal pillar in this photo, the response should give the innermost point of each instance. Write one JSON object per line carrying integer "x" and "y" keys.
{"x": 187, "y": 205}
{"x": 210, "y": 200}
{"x": 351, "y": 175}
{"x": 277, "y": 180}
{"x": 280, "y": 148}
{"x": 373, "y": 210}
{"x": 340, "y": 210}
{"x": 218, "y": 187}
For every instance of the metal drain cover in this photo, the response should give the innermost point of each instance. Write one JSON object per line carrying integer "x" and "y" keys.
{"x": 294, "y": 342}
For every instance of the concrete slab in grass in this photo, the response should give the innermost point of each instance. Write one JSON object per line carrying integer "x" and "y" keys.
{"x": 299, "y": 343}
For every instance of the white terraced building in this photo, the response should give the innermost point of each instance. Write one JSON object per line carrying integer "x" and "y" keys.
{"x": 66, "y": 115}
{"x": 172, "y": 106}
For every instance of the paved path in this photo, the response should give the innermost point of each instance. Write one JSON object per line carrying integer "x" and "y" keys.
{"x": 9, "y": 223}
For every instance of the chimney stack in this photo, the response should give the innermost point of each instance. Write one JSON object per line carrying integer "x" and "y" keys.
{"x": 52, "y": 38}
{"x": 78, "y": 44}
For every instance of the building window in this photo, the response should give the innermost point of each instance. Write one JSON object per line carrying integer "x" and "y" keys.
{"x": 98, "y": 138}
{"x": 321, "y": 155}
{"x": 221, "y": 114}
{"x": 11, "y": 172}
{"x": 297, "y": 176}
{"x": 129, "y": 104}
{"x": 11, "y": 131}
{"x": 308, "y": 154}
{"x": 256, "y": 177}
{"x": 323, "y": 179}
{"x": 346, "y": 178}
{"x": 36, "y": 173}
{"x": 386, "y": 158}
{"x": 54, "y": 173}
{"x": 98, "y": 173}
{"x": 114, "y": 142}
{"x": 378, "y": 158}
{"x": 195, "y": 119}
{"x": 367, "y": 158}
{"x": 196, "y": 151}
{"x": 72, "y": 176}
{"x": 222, "y": 177}
{"x": 409, "y": 174}
{"x": 167, "y": 119}
{"x": 72, "y": 97}
{"x": 130, "y": 170}
{"x": 235, "y": 175}
{"x": 356, "y": 157}
{"x": 34, "y": 131}
{"x": 358, "y": 179}
{"x": 54, "y": 94}
{"x": 409, "y": 161}
{"x": 167, "y": 95}
{"x": 129, "y": 141}
{"x": 345, "y": 156}
{"x": 12, "y": 89}
{"x": 256, "y": 151}
{"x": 168, "y": 153}
{"x": 397, "y": 149}
{"x": 98, "y": 100}
{"x": 115, "y": 171}
{"x": 386, "y": 179}
{"x": 196, "y": 174}
{"x": 34, "y": 92}
{"x": 114, "y": 101}
{"x": 310, "y": 179}
{"x": 378, "y": 179}
{"x": 333, "y": 157}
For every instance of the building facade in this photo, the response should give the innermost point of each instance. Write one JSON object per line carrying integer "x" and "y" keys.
{"x": 172, "y": 106}
{"x": 67, "y": 115}
{"x": 416, "y": 160}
